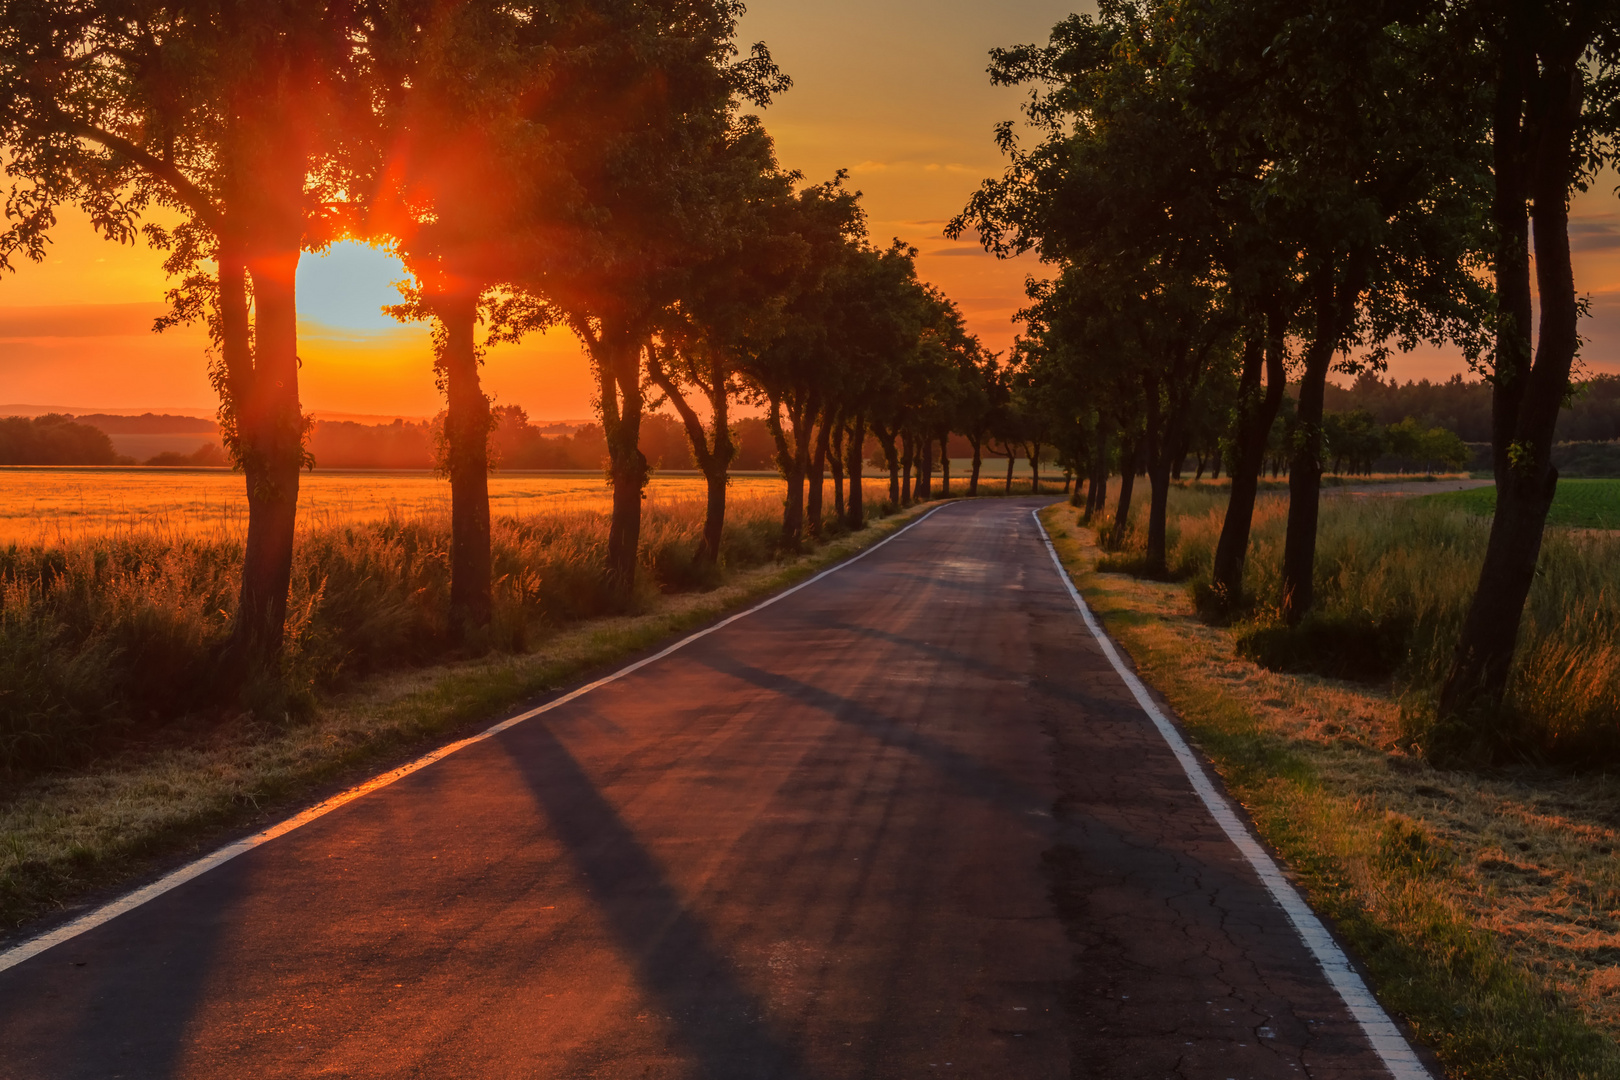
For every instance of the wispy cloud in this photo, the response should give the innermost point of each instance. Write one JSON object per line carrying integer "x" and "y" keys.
{"x": 1594, "y": 235}
{"x": 78, "y": 320}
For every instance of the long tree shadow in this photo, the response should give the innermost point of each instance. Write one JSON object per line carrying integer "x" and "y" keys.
{"x": 721, "y": 1022}
{"x": 120, "y": 999}
{"x": 971, "y": 776}
{"x": 957, "y": 659}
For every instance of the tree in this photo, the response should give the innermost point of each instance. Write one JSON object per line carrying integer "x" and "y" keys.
{"x": 228, "y": 116}
{"x": 795, "y": 374}
{"x": 1119, "y": 196}
{"x": 1373, "y": 168}
{"x": 663, "y": 81}
{"x": 730, "y": 308}
{"x": 1352, "y": 439}
{"x": 1551, "y": 73}
{"x": 466, "y": 163}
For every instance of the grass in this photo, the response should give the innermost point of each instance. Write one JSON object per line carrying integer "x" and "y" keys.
{"x": 61, "y": 504}
{"x": 1580, "y": 504}
{"x": 1329, "y": 481}
{"x": 1394, "y": 577}
{"x": 146, "y": 802}
{"x": 1485, "y": 905}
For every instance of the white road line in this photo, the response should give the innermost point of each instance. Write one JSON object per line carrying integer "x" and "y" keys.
{"x": 1397, "y": 1054}
{"x": 107, "y": 912}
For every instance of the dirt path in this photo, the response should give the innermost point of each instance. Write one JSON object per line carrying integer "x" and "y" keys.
{"x": 908, "y": 821}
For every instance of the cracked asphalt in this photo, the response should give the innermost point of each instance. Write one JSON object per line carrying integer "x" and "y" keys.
{"x": 906, "y": 822}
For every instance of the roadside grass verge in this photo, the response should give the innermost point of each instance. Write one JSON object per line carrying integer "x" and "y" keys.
{"x": 1578, "y": 503}
{"x": 69, "y": 835}
{"x": 1393, "y": 580}
{"x": 1483, "y": 904}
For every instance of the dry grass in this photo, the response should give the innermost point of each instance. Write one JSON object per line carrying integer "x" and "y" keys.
{"x": 1485, "y": 905}
{"x": 1410, "y": 566}
{"x": 54, "y": 505}
{"x": 67, "y": 835}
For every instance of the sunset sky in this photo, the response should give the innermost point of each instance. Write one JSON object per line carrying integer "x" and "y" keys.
{"x": 893, "y": 90}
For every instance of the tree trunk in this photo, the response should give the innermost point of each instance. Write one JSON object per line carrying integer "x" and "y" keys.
{"x": 1127, "y": 482}
{"x": 466, "y": 434}
{"x": 619, "y": 374}
{"x": 789, "y": 462}
{"x": 1097, "y": 490}
{"x": 835, "y": 465}
{"x": 1257, "y": 413}
{"x": 978, "y": 461}
{"x": 1527, "y": 396}
{"x": 1305, "y": 487}
{"x": 818, "y": 472}
{"x": 1159, "y": 446}
{"x": 945, "y": 466}
{"x": 713, "y": 461}
{"x": 925, "y": 471}
{"x": 907, "y": 456}
{"x": 856, "y": 449}
{"x": 1335, "y": 307}
{"x": 892, "y": 456}
{"x": 1010, "y": 462}
{"x": 1035, "y": 468}
{"x": 270, "y": 426}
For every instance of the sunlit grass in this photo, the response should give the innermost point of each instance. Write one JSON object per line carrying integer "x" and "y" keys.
{"x": 1410, "y": 567}
{"x": 52, "y": 504}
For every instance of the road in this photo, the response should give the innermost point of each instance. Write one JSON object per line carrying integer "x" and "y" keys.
{"x": 905, "y": 822}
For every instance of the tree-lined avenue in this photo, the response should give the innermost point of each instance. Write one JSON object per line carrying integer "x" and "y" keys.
{"x": 907, "y": 821}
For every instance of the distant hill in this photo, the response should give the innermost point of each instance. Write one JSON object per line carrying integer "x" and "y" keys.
{"x": 174, "y": 439}
{"x": 149, "y": 424}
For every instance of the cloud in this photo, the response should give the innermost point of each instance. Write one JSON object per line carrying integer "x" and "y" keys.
{"x": 912, "y": 166}
{"x": 78, "y": 320}
{"x": 1594, "y": 235}
{"x": 958, "y": 251}
{"x": 392, "y": 336}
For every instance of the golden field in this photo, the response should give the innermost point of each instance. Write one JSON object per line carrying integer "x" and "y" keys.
{"x": 41, "y": 504}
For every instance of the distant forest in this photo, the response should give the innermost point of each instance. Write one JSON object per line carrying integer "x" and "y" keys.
{"x": 516, "y": 443}
{"x": 1460, "y": 406}
{"x": 1465, "y": 407}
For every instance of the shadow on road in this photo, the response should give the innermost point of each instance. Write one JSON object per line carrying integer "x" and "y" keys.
{"x": 722, "y": 1024}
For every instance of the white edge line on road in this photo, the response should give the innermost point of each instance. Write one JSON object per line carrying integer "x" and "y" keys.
{"x": 129, "y": 902}
{"x": 1397, "y": 1054}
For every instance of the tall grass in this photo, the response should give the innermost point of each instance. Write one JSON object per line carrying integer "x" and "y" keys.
{"x": 1404, "y": 571}
{"x": 104, "y": 638}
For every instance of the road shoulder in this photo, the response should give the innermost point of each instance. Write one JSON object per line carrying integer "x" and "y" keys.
{"x": 1379, "y": 843}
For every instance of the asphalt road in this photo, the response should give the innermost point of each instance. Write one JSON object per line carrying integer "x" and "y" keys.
{"x": 906, "y": 822}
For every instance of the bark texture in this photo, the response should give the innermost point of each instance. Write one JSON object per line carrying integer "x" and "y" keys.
{"x": 1256, "y": 413}
{"x": 1534, "y": 132}
{"x": 466, "y": 433}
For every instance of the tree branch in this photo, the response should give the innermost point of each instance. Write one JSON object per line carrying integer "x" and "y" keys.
{"x": 189, "y": 193}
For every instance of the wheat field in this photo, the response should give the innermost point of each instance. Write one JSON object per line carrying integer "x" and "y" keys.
{"x": 47, "y": 504}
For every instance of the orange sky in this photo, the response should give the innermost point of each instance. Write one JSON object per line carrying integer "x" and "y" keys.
{"x": 902, "y": 103}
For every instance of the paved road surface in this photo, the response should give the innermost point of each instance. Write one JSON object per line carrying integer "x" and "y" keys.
{"x": 905, "y": 823}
